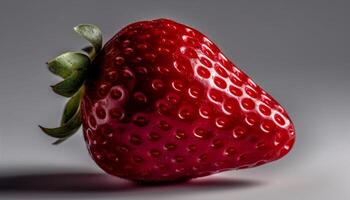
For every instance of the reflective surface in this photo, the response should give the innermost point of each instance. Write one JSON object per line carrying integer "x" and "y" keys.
{"x": 163, "y": 103}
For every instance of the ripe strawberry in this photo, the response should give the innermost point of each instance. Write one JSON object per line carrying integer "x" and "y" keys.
{"x": 160, "y": 102}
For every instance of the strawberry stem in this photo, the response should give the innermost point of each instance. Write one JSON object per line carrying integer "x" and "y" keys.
{"x": 72, "y": 67}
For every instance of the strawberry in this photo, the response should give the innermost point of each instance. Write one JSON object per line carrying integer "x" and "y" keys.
{"x": 161, "y": 102}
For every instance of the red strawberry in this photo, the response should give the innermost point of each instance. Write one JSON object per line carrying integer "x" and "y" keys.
{"x": 162, "y": 103}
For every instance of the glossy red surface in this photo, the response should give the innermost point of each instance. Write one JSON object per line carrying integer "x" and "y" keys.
{"x": 163, "y": 103}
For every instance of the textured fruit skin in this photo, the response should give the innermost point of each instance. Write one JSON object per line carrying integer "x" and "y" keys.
{"x": 162, "y": 103}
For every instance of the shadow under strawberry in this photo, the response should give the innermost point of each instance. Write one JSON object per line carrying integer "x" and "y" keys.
{"x": 64, "y": 182}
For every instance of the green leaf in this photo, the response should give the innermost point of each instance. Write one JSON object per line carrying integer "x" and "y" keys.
{"x": 71, "y": 107}
{"x": 59, "y": 141}
{"x": 64, "y": 64}
{"x": 92, "y": 34}
{"x": 67, "y": 129}
{"x": 70, "y": 85}
{"x": 89, "y": 50}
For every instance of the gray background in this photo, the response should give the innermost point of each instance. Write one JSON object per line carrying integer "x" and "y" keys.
{"x": 297, "y": 50}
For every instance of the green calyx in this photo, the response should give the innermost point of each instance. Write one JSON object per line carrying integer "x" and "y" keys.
{"x": 72, "y": 68}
